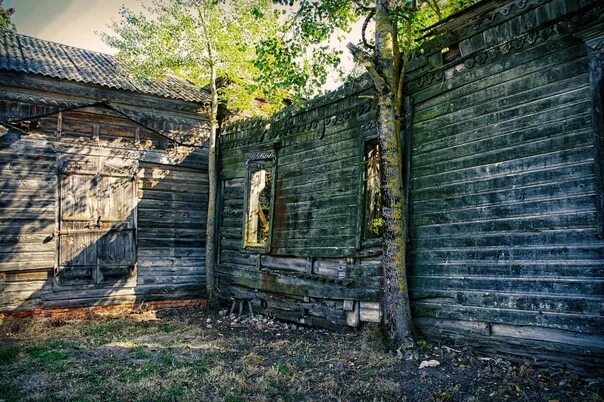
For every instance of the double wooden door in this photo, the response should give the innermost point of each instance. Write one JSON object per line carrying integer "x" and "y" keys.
{"x": 96, "y": 219}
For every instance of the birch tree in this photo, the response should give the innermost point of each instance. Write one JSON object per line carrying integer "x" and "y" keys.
{"x": 211, "y": 44}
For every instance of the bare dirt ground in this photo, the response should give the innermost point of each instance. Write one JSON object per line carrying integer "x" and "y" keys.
{"x": 195, "y": 354}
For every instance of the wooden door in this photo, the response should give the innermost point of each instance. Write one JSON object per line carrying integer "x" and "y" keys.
{"x": 97, "y": 219}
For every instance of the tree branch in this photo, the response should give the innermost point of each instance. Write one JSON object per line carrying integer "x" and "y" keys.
{"x": 434, "y": 6}
{"x": 365, "y": 61}
{"x": 365, "y": 23}
{"x": 361, "y": 6}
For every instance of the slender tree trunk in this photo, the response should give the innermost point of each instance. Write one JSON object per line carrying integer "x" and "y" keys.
{"x": 212, "y": 186}
{"x": 212, "y": 167}
{"x": 385, "y": 70}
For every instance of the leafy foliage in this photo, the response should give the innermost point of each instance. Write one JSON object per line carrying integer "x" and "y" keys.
{"x": 300, "y": 56}
{"x": 5, "y": 17}
{"x": 186, "y": 37}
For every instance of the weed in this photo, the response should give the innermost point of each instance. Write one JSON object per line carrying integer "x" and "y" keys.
{"x": 205, "y": 361}
{"x": 282, "y": 369}
{"x": 253, "y": 358}
{"x": 165, "y": 327}
{"x": 140, "y": 352}
{"x": 423, "y": 345}
{"x": 167, "y": 358}
{"x": 8, "y": 353}
{"x": 176, "y": 392}
{"x": 106, "y": 331}
{"x": 46, "y": 354}
{"x": 446, "y": 394}
{"x": 138, "y": 373}
{"x": 8, "y": 393}
{"x": 376, "y": 337}
{"x": 234, "y": 398}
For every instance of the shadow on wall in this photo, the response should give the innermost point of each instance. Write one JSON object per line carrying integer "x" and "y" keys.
{"x": 85, "y": 225}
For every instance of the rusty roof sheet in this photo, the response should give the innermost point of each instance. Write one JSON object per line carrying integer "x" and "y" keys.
{"x": 27, "y": 54}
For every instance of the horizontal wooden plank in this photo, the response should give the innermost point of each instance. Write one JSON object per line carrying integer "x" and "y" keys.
{"x": 562, "y": 71}
{"x": 7, "y": 250}
{"x": 174, "y": 242}
{"x": 285, "y": 263}
{"x": 155, "y": 262}
{"x": 518, "y": 301}
{"x": 479, "y": 141}
{"x": 529, "y": 60}
{"x": 530, "y": 223}
{"x": 544, "y": 149}
{"x": 147, "y": 252}
{"x": 363, "y": 290}
{"x": 534, "y": 268}
{"x": 487, "y": 184}
{"x": 536, "y": 286}
{"x": 570, "y": 188}
{"x": 525, "y": 238}
{"x": 171, "y": 279}
{"x": 310, "y": 157}
{"x": 577, "y": 78}
{"x": 561, "y": 205}
{"x": 565, "y": 321}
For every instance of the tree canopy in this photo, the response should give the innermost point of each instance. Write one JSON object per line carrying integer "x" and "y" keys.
{"x": 187, "y": 37}
{"x": 5, "y": 17}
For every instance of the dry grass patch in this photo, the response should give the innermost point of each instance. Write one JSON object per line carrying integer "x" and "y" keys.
{"x": 192, "y": 354}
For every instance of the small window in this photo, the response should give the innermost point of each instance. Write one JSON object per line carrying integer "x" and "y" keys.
{"x": 373, "y": 222}
{"x": 259, "y": 201}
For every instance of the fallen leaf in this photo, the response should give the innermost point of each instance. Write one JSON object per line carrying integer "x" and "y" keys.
{"x": 429, "y": 363}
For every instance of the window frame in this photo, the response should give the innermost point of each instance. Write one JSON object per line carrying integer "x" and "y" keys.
{"x": 595, "y": 57}
{"x": 254, "y": 160}
{"x": 368, "y": 135}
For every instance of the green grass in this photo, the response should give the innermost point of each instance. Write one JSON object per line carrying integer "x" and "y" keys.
{"x": 51, "y": 354}
{"x": 8, "y": 393}
{"x": 103, "y": 332}
{"x": 8, "y": 353}
{"x": 205, "y": 361}
{"x": 282, "y": 369}
{"x": 140, "y": 352}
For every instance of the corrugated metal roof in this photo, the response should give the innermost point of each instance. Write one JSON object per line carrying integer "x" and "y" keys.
{"x": 27, "y": 54}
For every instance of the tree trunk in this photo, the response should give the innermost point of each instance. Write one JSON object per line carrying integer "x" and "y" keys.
{"x": 385, "y": 71}
{"x": 212, "y": 185}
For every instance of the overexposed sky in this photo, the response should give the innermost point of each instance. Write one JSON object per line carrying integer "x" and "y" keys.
{"x": 72, "y": 22}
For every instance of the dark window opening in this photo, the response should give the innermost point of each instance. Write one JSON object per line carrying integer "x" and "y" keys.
{"x": 373, "y": 222}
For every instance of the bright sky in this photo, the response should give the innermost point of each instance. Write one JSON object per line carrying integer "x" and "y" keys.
{"x": 72, "y": 22}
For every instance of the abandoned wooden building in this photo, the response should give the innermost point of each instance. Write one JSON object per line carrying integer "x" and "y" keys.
{"x": 103, "y": 181}
{"x": 504, "y": 149}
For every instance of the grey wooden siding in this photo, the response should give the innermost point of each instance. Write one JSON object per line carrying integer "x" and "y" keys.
{"x": 315, "y": 262}
{"x": 162, "y": 226}
{"x": 502, "y": 199}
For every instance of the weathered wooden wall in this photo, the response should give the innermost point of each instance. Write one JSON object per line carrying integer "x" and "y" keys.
{"x": 166, "y": 216}
{"x": 504, "y": 178}
{"x": 317, "y": 270}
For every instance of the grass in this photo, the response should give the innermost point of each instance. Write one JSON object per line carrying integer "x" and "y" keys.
{"x": 176, "y": 357}
{"x": 8, "y": 353}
